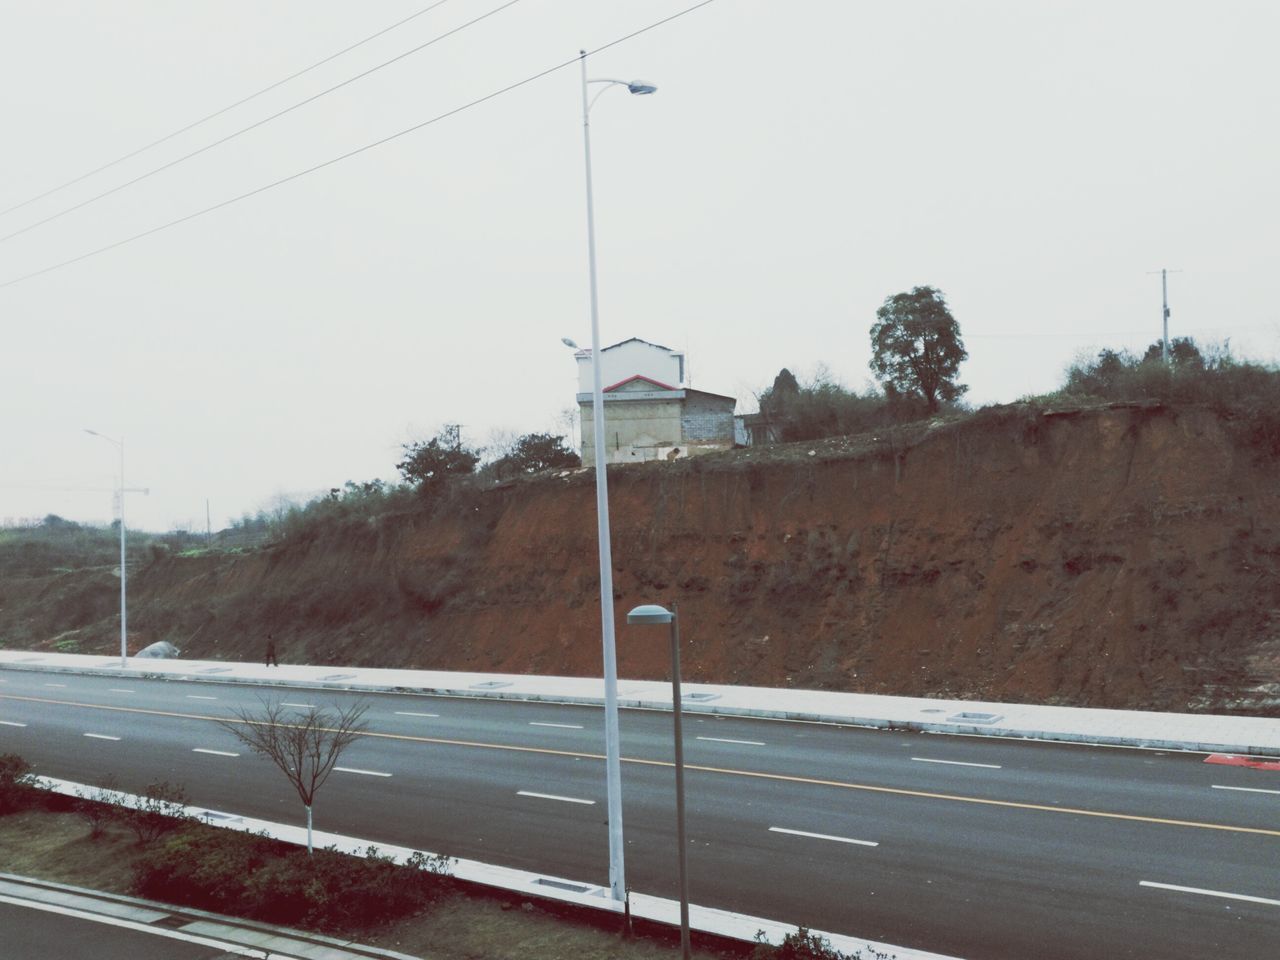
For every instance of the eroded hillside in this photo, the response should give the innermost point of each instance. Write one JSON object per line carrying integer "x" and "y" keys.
{"x": 1123, "y": 556}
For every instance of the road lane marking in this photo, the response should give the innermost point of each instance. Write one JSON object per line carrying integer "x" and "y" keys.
{"x": 958, "y": 763}
{"x": 1245, "y": 789}
{"x": 1209, "y": 893}
{"x": 196, "y": 696}
{"x": 566, "y": 726}
{"x": 63, "y": 685}
{"x": 552, "y": 796}
{"x": 11, "y": 723}
{"x": 101, "y": 736}
{"x": 700, "y": 768}
{"x": 118, "y": 690}
{"x": 823, "y": 836}
{"x": 304, "y": 706}
{"x": 745, "y": 743}
{"x": 410, "y": 713}
{"x": 216, "y": 753}
{"x": 367, "y": 773}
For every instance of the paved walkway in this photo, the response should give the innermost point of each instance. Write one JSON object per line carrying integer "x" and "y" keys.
{"x": 1209, "y": 733}
{"x": 243, "y": 938}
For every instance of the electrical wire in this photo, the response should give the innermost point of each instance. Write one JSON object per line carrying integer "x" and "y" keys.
{"x": 356, "y": 152}
{"x": 217, "y": 113}
{"x": 253, "y": 126}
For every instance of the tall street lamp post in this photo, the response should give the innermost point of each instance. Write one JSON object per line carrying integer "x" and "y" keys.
{"x": 613, "y": 763}
{"x": 652, "y": 613}
{"x": 124, "y": 610}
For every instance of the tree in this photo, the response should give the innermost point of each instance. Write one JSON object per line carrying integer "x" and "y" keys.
{"x": 916, "y": 350}
{"x": 1183, "y": 352}
{"x": 432, "y": 465}
{"x": 304, "y": 747}
{"x": 533, "y": 452}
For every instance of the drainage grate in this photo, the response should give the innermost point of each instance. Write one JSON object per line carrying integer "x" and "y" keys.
{"x": 216, "y": 670}
{"x": 170, "y": 922}
{"x": 966, "y": 717}
{"x": 339, "y": 676}
{"x": 700, "y": 697}
{"x": 224, "y": 817}
{"x": 931, "y": 710}
{"x": 491, "y": 685}
{"x": 564, "y": 885}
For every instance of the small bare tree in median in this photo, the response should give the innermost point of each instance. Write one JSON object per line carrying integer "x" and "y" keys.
{"x": 305, "y": 746}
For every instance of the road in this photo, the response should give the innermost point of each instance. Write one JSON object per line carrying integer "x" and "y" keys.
{"x": 977, "y": 847}
{"x": 34, "y": 934}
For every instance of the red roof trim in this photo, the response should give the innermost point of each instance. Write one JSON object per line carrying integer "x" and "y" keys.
{"x": 656, "y": 383}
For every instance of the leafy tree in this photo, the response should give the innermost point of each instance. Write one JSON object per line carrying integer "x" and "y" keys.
{"x": 304, "y": 747}
{"x": 1183, "y": 352}
{"x": 433, "y": 464}
{"x": 916, "y": 347}
{"x": 533, "y": 452}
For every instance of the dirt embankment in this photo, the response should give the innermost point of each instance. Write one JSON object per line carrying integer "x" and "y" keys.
{"x": 1111, "y": 557}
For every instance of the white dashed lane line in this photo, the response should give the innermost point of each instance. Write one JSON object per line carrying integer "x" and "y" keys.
{"x": 118, "y": 690}
{"x": 565, "y": 726}
{"x": 958, "y": 763}
{"x": 1245, "y": 789}
{"x": 216, "y": 753}
{"x": 367, "y": 773}
{"x": 194, "y": 696}
{"x": 62, "y": 685}
{"x": 101, "y": 736}
{"x": 823, "y": 836}
{"x": 745, "y": 743}
{"x": 11, "y": 723}
{"x": 410, "y": 713}
{"x": 303, "y": 706}
{"x": 1209, "y": 893}
{"x": 552, "y": 796}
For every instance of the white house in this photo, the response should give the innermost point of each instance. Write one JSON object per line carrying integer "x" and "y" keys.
{"x": 649, "y": 413}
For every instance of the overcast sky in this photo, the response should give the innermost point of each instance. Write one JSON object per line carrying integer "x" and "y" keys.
{"x": 801, "y": 161}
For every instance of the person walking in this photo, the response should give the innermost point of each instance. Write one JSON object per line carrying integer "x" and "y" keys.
{"x": 271, "y": 660}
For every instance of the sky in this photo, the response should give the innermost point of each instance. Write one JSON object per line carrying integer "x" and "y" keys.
{"x": 800, "y": 162}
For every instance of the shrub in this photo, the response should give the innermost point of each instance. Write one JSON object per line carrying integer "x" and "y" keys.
{"x": 806, "y": 945}
{"x": 17, "y": 791}
{"x": 98, "y": 807}
{"x": 161, "y": 811}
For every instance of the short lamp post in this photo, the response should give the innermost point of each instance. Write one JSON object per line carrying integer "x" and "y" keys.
{"x": 653, "y": 613}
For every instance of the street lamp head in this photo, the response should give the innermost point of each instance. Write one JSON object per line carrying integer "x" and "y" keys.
{"x": 93, "y": 432}
{"x": 570, "y": 343}
{"x": 650, "y": 613}
{"x": 640, "y": 88}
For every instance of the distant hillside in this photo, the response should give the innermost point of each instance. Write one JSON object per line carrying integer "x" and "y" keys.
{"x": 1123, "y": 555}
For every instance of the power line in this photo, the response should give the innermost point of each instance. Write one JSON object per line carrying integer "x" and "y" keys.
{"x": 356, "y": 152}
{"x": 220, "y": 112}
{"x": 256, "y": 124}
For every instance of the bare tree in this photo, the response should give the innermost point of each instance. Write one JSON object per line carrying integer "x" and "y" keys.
{"x": 304, "y": 746}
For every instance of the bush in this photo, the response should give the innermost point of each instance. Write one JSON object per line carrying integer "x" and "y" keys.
{"x": 161, "y": 811}
{"x": 806, "y": 945}
{"x": 98, "y": 807}
{"x": 255, "y": 877}
{"x": 17, "y": 790}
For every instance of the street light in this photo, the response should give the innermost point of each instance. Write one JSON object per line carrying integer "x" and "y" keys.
{"x": 124, "y": 610}
{"x": 653, "y": 613}
{"x": 613, "y": 762}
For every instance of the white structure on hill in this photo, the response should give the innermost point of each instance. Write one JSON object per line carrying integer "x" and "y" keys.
{"x": 649, "y": 413}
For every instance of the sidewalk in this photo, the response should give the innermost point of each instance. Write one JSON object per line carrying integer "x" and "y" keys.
{"x": 1208, "y": 733}
{"x": 244, "y": 938}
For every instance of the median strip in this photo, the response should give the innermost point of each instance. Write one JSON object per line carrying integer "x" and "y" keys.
{"x": 1209, "y": 893}
{"x": 823, "y": 836}
{"x": 552, "y": 796}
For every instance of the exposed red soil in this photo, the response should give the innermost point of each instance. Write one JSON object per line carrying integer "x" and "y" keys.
{"x": 1121, "y": 556}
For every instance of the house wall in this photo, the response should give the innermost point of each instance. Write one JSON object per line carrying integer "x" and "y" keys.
{"x": 629, "y": 359}
{"x": 706, "y": 419}
{"x": 635, "y": 430}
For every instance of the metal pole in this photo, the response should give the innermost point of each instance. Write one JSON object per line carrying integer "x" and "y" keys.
{"x": 1164, "y": 289}
{"x": 613, "y": 764}
{"x": 124, "y": 610}
{"x": 679, "y": 738}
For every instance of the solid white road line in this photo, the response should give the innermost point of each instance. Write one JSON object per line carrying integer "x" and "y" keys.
{"x": 823, "y": 836}
{"x": 958, "y": 763}
{"x": 367, "y": 773}
{"x": 566, "y": 726}
{"x": 101, "y": 736}
{"x": 304, "y": 706}
{"x": 552, "y": 796}
{"x": 410, "y": 713}
{"x": 118, "y": 690}
{"x": 1209, "y": 893}
{"x": 193, "y": 696}
{"x": 216, "y": 753}
{"x": 745, "y": 743}
{"x": 1245, "y": 789}
{"x": 11, "y": 723}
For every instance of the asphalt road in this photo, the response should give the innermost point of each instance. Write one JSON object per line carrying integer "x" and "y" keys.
{"x": 977, "y": 847}
{"x": 33, "y": 934}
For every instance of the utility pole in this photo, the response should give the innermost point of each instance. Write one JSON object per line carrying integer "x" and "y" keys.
{"x": 208, "y": 524}
{"x": 1164, "y": 313}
